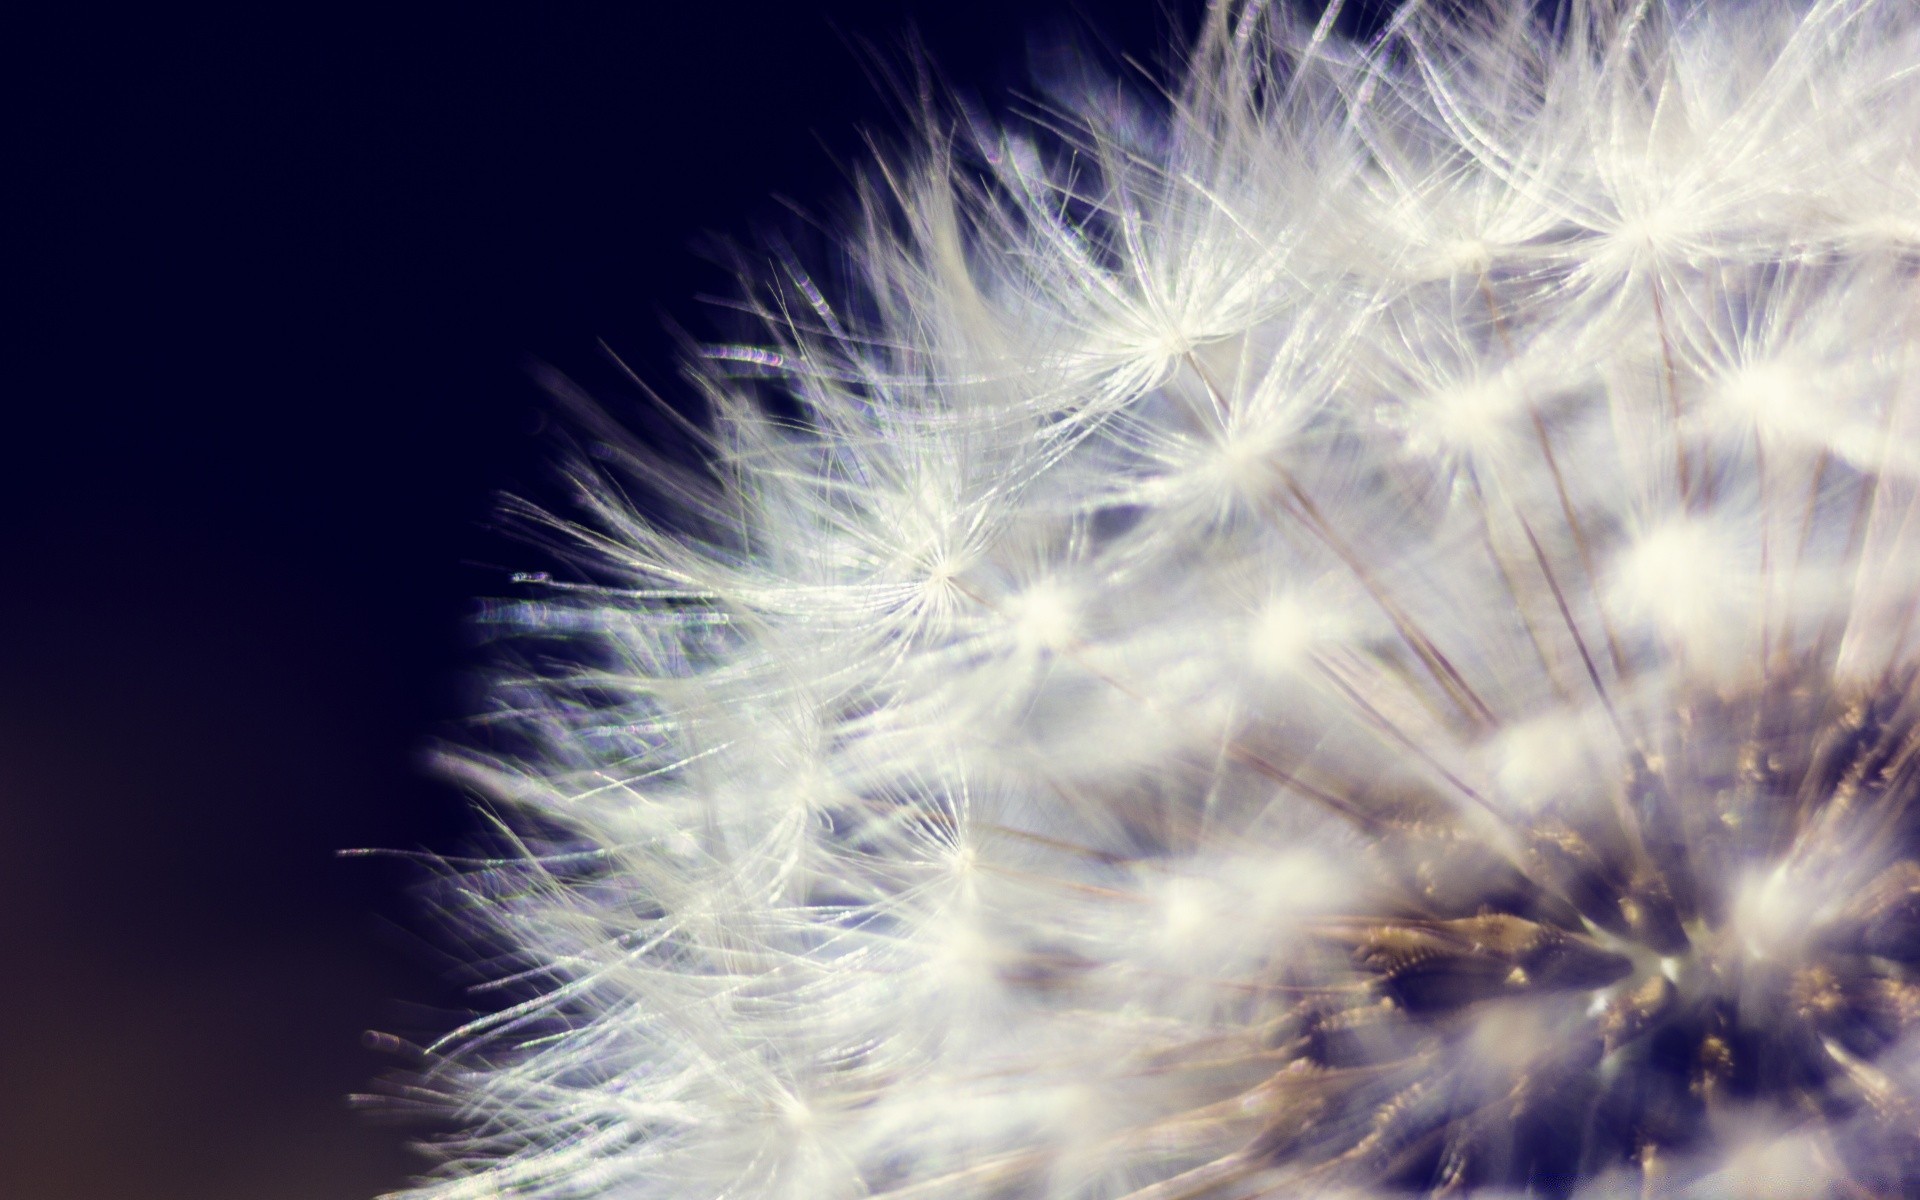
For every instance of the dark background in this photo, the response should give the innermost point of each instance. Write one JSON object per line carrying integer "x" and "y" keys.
{"x": 276, "y": 280}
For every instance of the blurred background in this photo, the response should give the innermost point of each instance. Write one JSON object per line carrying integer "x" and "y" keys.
{"x": 280, "y": 277}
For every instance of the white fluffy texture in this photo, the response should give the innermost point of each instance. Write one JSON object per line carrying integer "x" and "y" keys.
{"x": 1162, "y": 492}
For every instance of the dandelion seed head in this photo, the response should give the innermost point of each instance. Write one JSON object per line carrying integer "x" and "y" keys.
{"x": 1346, "y": 629}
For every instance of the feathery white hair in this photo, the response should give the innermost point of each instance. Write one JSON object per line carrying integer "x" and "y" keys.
{"x": 1343, "y": 631}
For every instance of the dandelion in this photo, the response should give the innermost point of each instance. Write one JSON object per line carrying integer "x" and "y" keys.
{"x": 1347, "y": 630}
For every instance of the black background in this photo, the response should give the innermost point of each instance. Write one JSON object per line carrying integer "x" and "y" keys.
{"x": 277, "y": 277}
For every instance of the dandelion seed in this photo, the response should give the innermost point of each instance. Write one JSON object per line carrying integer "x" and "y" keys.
{"x": 1353, "y": 636}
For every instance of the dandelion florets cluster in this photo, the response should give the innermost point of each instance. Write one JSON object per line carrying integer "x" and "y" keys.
{"x": 1343, "y": 630}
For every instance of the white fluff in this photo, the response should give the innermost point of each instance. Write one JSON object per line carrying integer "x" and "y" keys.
{"x": 953, "y": 801}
